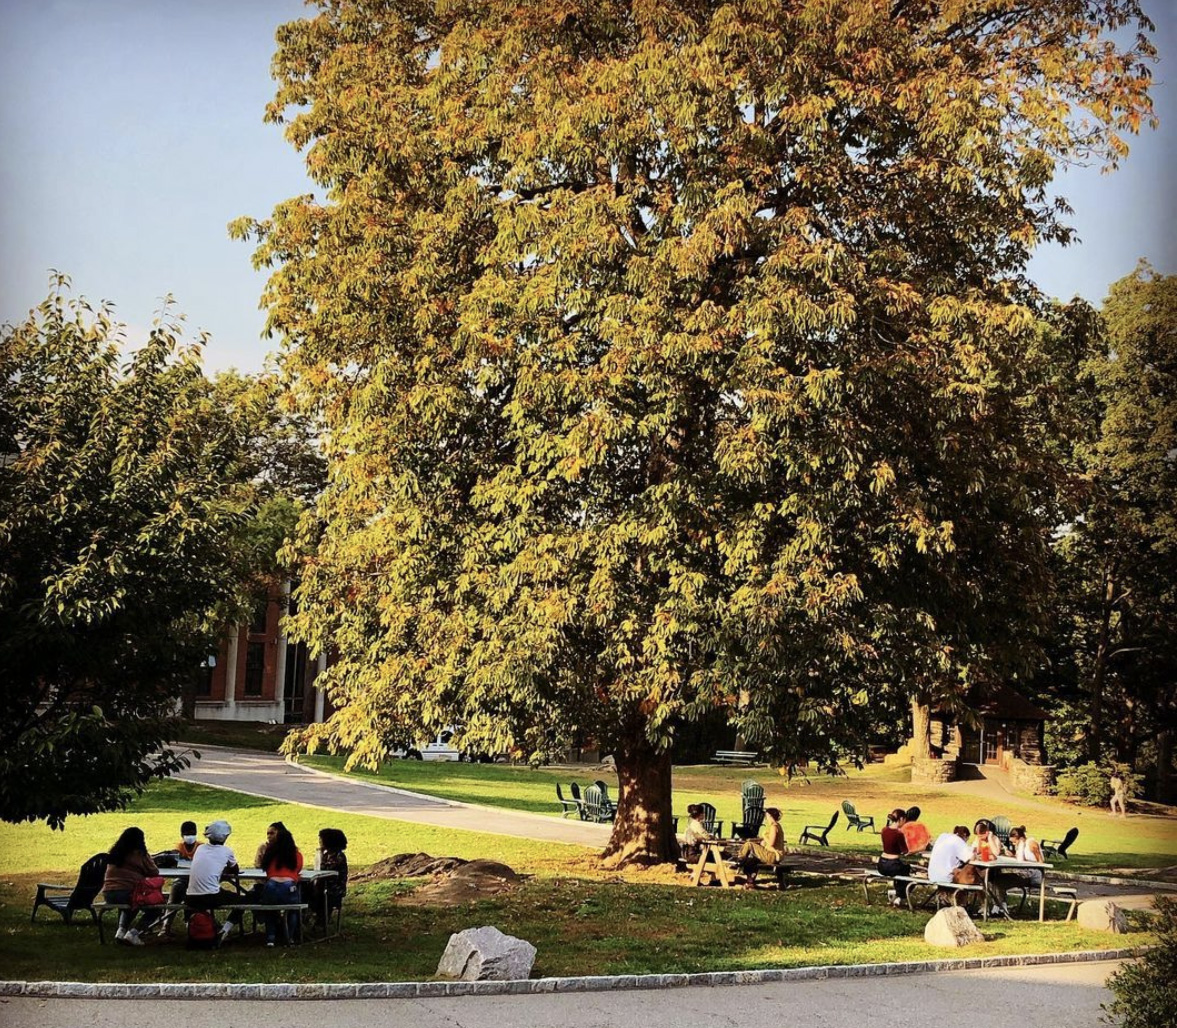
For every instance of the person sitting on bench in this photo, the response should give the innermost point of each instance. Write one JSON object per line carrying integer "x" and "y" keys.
{"x": 209, "y": 865}
{"x": 695, "y": 835}
{"x": 891, "y": 861}
{"x": 950, "y": 852}
{"x": 128, "y": 865}
{"x": 768, "y": 849}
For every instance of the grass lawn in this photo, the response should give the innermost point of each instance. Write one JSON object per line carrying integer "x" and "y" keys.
{"x": 583, "y": 920}
{"x": 1141, "y": 842}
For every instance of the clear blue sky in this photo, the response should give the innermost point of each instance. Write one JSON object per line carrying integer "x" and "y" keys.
{"x": 131, "y": 133}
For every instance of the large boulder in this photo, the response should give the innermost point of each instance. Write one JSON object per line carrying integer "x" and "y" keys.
{"x": 952, "y": 927}
{"x": 486, "y": 954}
{"x": 1102, "y": 915}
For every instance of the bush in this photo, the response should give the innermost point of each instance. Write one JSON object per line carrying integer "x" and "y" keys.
{"x": 1145, "y": 996}
{"x": 1089, "y": 785}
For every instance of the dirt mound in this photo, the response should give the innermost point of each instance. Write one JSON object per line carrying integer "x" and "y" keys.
{"x": 455, "y": 881}
{"x": 407, "y": 865}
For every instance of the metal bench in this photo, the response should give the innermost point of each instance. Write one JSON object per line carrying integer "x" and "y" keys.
{"x": 1066, "y": 894}
{"x": 100, "y": 910}
{"x": 736, "y": 757}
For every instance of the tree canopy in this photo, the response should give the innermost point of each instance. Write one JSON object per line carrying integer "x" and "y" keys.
{"x": 121, "y": 492}
{"x": 673, "y": 357}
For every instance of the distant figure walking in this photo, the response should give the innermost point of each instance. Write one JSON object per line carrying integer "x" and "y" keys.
{"x": 1119, "y": 796}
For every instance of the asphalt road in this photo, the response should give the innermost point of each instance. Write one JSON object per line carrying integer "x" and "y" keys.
{"x": 267, "y": 774}
{"x": 1064, "y": 995}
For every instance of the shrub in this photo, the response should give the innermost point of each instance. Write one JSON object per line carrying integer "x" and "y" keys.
{"x": 1145, "y": 996}
{"x": 1090, "y": 784}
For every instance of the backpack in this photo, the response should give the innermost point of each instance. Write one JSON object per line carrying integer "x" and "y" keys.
{"x": 202, "y": 930}
{"x": 148, "y": 892}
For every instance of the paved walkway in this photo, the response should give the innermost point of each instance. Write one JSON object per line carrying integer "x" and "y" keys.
{"x": 269, "y": 775}
{"x": 1068, "y": 994}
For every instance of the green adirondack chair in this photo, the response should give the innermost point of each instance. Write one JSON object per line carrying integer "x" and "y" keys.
{"x": 856, "y": 820}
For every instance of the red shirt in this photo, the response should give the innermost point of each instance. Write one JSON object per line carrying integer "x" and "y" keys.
{"x": 893, "y": 842}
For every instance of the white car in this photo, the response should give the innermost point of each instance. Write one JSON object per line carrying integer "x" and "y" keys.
{"x": 440, "y": 748}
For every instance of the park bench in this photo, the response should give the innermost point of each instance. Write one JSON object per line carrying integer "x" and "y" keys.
{"x": 164, "y": 909}
{"x": 1067, "y": 894}
{"x": 736, "y": 757}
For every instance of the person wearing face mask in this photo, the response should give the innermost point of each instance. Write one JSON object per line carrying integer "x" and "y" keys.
{"x": 186, "y": 848}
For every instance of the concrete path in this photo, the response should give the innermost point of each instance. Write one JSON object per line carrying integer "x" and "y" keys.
{"x": 270, "y": 776}
{"x": 1066, "y": 994}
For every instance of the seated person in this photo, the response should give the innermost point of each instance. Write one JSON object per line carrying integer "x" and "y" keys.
{"x": 259, "y": 858}
{"x": 696, "y": 834}
{"x": 210, "y": 863}
{"x": 128, "y": 864}
{"x": 986, "y": 841}
{"x": 891, "y": 861}
{"x": 282, "y": 861}
{"x": 915, "y": 832}
{"x": 768, "y": 849}
{"x": 327, "y": 893}
{"x": 950, "y": 852}
{"x": 186, "y": 848}
{"x": 1025, "y": 848}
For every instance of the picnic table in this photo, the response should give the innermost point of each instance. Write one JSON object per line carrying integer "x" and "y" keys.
{"x": 1008, "y": 864}
{"x": 713, "y": 862}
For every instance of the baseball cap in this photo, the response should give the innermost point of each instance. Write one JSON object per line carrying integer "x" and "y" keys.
{"x": 218, "y": 831}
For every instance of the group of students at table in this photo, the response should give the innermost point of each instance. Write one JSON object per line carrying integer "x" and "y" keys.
{"x": 129, "y": 863}
{"x": 952, "y": 853}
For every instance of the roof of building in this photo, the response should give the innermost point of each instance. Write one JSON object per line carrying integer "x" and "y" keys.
{"x": 1000, "y": 701}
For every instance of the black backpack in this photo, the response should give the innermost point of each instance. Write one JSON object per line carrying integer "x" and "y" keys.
{"x": 202, "y": 930}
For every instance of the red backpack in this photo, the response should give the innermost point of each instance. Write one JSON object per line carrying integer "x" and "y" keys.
{"x": 202, "y": 930}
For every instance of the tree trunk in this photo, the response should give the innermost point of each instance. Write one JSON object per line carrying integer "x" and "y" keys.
{"x": 643, "y": 831}
{"x": 921, "y": 729}
{"x": 1095, "y": 734}
{"x": 1165, "y": 766}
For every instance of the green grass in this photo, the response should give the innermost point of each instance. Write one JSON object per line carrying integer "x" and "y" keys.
{"x": 240, "y": 735}
{"x": 582, "y": 920}
{"x": 1104, "y": 844}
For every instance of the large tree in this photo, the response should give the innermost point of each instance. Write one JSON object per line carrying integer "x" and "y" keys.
{"x": 121, "y": 495}
{"x": 1114, "y": 652}
{"x": 672, "y": 355}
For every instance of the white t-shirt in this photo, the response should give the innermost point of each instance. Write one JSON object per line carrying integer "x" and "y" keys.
{"x": 208, "y": 863}
{"x": 948, "y": 852}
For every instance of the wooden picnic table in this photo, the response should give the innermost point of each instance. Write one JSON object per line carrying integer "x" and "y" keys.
{"x": 1009, "y": 864}
{"x": 257, "y": 874}
{"x": 712, "y": 861}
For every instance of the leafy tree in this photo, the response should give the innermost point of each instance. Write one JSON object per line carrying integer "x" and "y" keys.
{"x": 119, "y": 498}
{"x": 1145, "y": 997}
{"x": 673, "y": 358}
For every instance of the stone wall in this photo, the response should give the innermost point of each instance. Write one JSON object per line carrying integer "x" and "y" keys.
{"x": 1037, "y": 779}
{"x": 932, "y": 772}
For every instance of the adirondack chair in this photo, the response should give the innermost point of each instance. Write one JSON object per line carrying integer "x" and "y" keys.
{"x": 753, "y": 811}
{"x": 1001, "y": 827}
{"x": 77, "y": 897}
{"x": 1058, "y": 850}
{"x": 818, "y": 834}
{"x": 597, "y": 807}
{"x": 713, "y": 826}
{"x": 856, "y": 820}
{"x": 574, "y": 791}
{"x": 567, "y": 806}
{"x": 610, "y": 805}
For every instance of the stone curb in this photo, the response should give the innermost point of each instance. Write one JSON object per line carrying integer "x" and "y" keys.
{"x": 593, "y": 983}
{"x": 1143, "y": 883}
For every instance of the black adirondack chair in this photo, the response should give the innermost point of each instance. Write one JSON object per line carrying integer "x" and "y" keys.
{"x": 817, "y": 834}
{"x": 567, "y": 806}
{"x": 597, "y": 805}
{"x": 752, "y": 795}
{"x": 713, "y": 826}
{"x": 77, "y": 897}
{"x": 1058, "y": 849}
{"x": 574, "y": 790}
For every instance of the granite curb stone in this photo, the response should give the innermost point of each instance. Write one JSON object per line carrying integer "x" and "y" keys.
{"x": 595, "y": 983}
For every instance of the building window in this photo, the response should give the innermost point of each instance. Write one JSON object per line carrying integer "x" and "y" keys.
{"x": 255, "y": 666}
{"x": 257, "y": 625}
{"x": 204, "y": 680}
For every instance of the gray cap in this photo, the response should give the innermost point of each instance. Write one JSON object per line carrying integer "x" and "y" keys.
{"x": 218, "y": 831}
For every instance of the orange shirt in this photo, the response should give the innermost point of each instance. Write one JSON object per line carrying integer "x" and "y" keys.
{"x": 917, "y": 836}
{"x": 291, "y": 874}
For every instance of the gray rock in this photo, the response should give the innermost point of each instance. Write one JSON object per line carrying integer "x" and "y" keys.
{"x": 1102, "y": 915}
{"x": 952, "y": 928}
{"x": 486, "y": 954}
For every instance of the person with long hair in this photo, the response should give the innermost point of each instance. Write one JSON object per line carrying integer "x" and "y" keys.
{"x": 127, "y": 865}
{"x": 326, "y": 894}
{"x": 766, "y": 850}
{"x": 891, "y": 862}
{"x": 282, "y": 862}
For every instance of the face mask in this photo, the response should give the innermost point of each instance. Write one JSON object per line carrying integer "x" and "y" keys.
{"x": 189, "y": 839}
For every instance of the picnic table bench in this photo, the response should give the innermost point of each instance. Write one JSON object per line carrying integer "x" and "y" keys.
{"x": 100, "y": 910}
{"x": 736, "y": 757}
